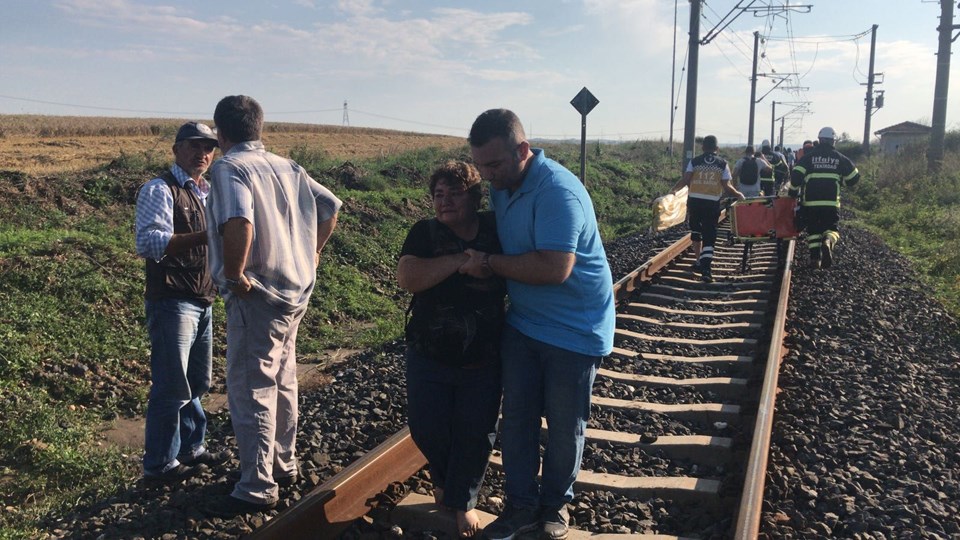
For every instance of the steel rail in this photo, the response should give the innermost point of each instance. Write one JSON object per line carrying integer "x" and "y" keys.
{"x": 331, "y": 507}
{"x": 751, "y": 502}
{"x": 334, "y": 505}
{"x": 625, "y": 286}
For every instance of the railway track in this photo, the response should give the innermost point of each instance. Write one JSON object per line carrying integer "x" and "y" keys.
{"x": 682, "y": 413}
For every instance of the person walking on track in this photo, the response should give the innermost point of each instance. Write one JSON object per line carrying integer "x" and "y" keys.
{"x": 707, "y": 177}
{"x": 747, "y": 171}
{"x": 817, "y": 179}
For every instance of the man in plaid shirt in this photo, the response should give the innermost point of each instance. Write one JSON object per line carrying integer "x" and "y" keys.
{"x": 171, "y": 237}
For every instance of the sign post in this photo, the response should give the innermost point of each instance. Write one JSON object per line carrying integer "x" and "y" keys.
{"x": 583, "y": 102}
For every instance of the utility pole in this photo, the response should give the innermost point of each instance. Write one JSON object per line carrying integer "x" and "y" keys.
{"x": 690, "y": 122}
{"x": 783, "y": 120}
{"x": 869, "y": 101}
{"x": 773, "y": 122}
{"x": 935, "y": 152}
{"x": 673, "y": 77}
{"x": 346, "y": 117}
{"x": 753, "y": 89}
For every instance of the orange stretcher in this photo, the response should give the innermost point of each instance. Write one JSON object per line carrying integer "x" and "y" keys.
{"x": 764, "y": 218}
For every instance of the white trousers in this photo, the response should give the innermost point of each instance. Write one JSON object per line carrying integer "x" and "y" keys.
{"x": 262, "y": 393}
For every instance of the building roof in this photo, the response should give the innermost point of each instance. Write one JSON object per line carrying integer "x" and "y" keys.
{"x": 906, "y": 128}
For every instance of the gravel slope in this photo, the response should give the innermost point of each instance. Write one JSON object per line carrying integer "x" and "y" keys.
{"x": 866, "y": 432}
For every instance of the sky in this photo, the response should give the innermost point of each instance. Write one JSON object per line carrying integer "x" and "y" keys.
{"x": 433, "y": 66}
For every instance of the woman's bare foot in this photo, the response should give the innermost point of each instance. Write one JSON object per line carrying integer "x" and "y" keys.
{"x": 438, "y": 496}
{"x": 468, "y": 523}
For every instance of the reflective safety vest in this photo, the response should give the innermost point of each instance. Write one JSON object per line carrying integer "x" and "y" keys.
{"x": 708, "y": 170}
{"x": 820, "y": 173}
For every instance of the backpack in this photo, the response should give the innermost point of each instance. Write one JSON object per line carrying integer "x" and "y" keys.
{"x": 749, "y": 171}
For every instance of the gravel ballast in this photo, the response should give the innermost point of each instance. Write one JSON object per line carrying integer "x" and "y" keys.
{"x": 865, "y": 441}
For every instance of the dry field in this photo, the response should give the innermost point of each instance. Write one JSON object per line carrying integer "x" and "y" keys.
{"x": 42, "y": 145}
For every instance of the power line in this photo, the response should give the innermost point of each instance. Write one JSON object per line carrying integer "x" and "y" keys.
{"x": 461, "y": 128}
{"x": 819, "y": 39}
{"x": 114, "y": 109}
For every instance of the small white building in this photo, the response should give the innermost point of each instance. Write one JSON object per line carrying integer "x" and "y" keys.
{"x": 897, "y": 136}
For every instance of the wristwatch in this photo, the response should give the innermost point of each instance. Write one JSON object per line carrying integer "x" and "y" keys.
{"x": 231, "y": 283}
{"x": 485, "y": 262}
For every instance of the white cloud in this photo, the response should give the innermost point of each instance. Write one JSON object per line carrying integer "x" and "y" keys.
{"x": 359, "y": 8}
{"x": 646, "y": 24}
{"x": 110, "y": 12}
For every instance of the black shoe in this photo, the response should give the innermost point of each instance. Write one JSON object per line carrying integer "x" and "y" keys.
{"x": 513, "y": 520}
{"x": 210, "y": 459}
{"x": 283, "y": 481}
{"x": 555, "y": 522}
{"x": 172, "y": 476}
{"x": 826, "y": 255}
{"x": 695, "y": 267}
{"x": 227, "y": 506}
{"x": 706, "y": 276}
{"x": 287, "y": 481}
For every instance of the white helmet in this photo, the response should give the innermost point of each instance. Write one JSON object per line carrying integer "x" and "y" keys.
{"x": 827, "y": 133}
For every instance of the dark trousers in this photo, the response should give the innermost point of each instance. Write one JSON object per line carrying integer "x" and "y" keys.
{"x": 452, "y": 413}
{"x": 823, "y": 223}
{"x": 703, "y": 227}
{"x": 767, "y": 187}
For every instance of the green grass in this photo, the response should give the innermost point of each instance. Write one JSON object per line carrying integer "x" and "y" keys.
{"x": 916, "y": 213}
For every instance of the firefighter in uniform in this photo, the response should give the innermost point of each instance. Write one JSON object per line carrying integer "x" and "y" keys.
{"x": 708, "y": 178}
{"x": 817, "y": 178}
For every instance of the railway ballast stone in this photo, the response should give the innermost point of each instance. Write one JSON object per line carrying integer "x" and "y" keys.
{"x": 866, "y": 429}
{"x": 865, "y": 434}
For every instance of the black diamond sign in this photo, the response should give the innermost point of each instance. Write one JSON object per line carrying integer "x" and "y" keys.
{"x": 584, "y": 101}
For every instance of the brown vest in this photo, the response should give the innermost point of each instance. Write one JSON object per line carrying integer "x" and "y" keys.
{"x": 185, "y": 275}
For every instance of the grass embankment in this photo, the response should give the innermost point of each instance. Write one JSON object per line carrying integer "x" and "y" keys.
{"x": 73, "y": 350}
{"x": 916, "y": 212}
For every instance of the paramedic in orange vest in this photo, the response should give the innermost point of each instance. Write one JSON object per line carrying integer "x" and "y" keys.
{"x": 708, "y": 178}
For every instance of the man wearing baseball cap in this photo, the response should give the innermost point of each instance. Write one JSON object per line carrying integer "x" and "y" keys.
{"x": 819, "y": 174}
{"x": 171, "y": 236}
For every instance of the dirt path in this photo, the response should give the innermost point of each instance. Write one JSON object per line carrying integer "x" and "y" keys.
{"x": 127, "y": 433}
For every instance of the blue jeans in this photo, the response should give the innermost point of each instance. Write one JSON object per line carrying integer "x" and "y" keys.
{"x": 452, "y": 413}
{"x": 543, "y": 380}
{"x": 180, "y": 369}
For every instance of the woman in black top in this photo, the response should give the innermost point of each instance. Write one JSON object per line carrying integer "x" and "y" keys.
{"x": 453, "y": 340}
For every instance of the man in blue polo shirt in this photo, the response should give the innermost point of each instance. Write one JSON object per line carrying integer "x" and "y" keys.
{"x": 560, "y": 322}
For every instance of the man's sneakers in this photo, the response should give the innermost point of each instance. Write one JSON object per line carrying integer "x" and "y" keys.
{"x": 552, "y": 522}
{"x": 172, "y": 476}
{"x": 228, "y": 506}
{"x": 210, "y": 459}
{"x": 706, "y": 276}
{"x": 695, "y": 267}
{"x": 513, "y": 521}
{"x": 555, "y": 523}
